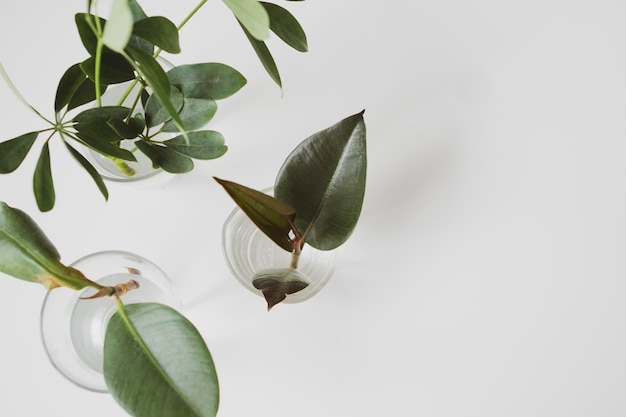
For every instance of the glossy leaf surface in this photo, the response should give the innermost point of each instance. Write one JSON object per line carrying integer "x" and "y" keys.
{"x": 324, "y": 180}
{"x": 26, "y": 253}
{"x": 277, "y": 283}
{"x": 42, "y": 181}
{"x": 206, "y": 80}
{"x": 157, "y": 365}
{"x": 159, "y": 31}
{"x": 87, "y": 37}
{"x": 13, "y": 151}
{"x": 205, "y": 144}
{"x": 119, "y": 26}
{"x": 252, "y": 15}
{"x": 272, "y": 216}
{"x": 286, "y": 26}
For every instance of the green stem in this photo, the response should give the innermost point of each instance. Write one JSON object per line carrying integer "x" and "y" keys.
{"x": 19, "y": 96}
{"x": 99, "y": 47}
{"x": 190, "y": 15}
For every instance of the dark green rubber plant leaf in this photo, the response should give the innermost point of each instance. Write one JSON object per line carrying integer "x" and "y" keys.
{"x": 265, "y": 56}
{"x": 252, "y": 16}
{"x": 277, "y": 283}
{"x": 90, "y": 170}
{"x": 159, "y": 31}
{"x": 26, "y": 253}
{"x": 42, "y": 181}
{"x": 13, "y": 151}
{"x": 195, "y": 114}
{"x": 272, "y": 216}
{"x": 204, "y": 144}
{"x": 166, "y": 158}
{"x": 209, "y": 80}
{"x": 156, "y": 78}
{"x": 286, "y": 26}
{"x": 157, "y": 365}
{"x": 324, "y": 180}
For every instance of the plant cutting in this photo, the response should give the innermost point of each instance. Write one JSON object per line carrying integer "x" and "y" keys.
{"x": 155, "y": 363}
{"x": 318, "y": 196}
{"x": 159, "y": 114}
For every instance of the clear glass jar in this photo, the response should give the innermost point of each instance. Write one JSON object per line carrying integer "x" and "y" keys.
{"x": 248, "y": 250}
{"x": 73, "y": 329}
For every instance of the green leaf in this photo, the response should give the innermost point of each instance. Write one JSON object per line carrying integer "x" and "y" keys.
{"x": 90, "y": 170}
{"x": 13, "y": 151}
{"x": 205, "y": 144}
{"x": 96, "y": 136}
{"x": 26, "y": 253}
{"x": 157, "y": 79}
{"x": 157, "y": 365}
{"x": 277, "y": 283}
{"x": 69, "y": 84}
{"x": 86, "y": 93}
{"x": 206, "y": 80}
{"x": 252, "y": 16}
{"x": 195, "y": 114}
{"x": 285, "y": 25}
{"x": 101, "y": 114}
{"x": 168, "y": 159}
{"x": 42, "y": 181}
{"x": 272, "y": 216}
{"x": 87, "y": 37}
{"x": 160, "y": 31}
{"x": 134, "y": 41}
{"x": 119, "y": 26}
{"x": 114, "y": 69}
{"x": 324, "y": 179}
{"x": 156, "y": 114}
{"x": 265, "y": 56}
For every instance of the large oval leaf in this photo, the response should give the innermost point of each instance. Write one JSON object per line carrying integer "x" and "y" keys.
{"x": 13, "y": 151}
{"x": 70, "y": 82}
{"x": 252, "y": 16}
{"x": 157, "y": 365}
{"x": 26, "y": 253}
{"x": 209, "y": 80}
{"x": 324, "y": 180}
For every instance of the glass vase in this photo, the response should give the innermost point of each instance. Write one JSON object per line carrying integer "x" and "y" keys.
{"x": 247, "y": 250}
{"x": 73, "y": 329}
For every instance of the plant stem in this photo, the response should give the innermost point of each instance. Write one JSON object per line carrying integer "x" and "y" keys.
{"x": 190, "y": 15}
{"x": 17, "y": 94}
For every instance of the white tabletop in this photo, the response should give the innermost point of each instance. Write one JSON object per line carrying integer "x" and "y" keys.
{"x": 486, "y": 276}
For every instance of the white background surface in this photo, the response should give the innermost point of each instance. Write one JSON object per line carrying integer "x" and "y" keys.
{"x": 486, "y": 276}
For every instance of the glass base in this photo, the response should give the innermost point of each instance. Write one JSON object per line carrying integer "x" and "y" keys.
{"x": 247, "y": 251}
{"x": 73, "y": 329}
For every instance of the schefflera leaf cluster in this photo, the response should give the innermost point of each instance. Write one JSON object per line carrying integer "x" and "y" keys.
{"x": 318, "y": 197}
{"x": 156, "y": 363}
{"x": 180, "y": 102}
